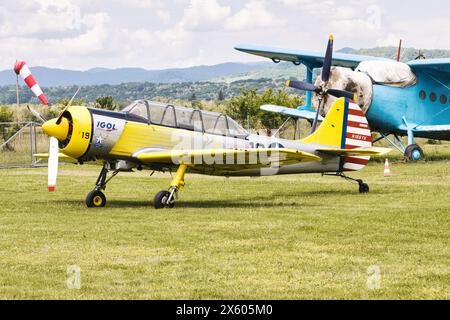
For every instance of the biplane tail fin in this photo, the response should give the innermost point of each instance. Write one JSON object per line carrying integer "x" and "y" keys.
{"x": 344, "y": 128}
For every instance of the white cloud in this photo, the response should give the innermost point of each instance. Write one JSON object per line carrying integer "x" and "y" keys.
{"x": 253, "y": 15}
{"x": 204, "y": 15}
{"x": 82, "y": 34}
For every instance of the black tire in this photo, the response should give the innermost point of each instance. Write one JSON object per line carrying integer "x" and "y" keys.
{"x": 414, "y": 153}
{"x": 364, "y": 188}
{"x": 95, "y": 199}
{"x": 160, "y": 200}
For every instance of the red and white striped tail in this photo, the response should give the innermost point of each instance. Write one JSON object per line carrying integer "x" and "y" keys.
{"x": 358, "y": 136}
{"x": 22, "y": 69}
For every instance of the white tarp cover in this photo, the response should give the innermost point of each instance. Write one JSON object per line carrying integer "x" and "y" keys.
{"x": 390, "y": 73}
{"x": 346, "y": 79}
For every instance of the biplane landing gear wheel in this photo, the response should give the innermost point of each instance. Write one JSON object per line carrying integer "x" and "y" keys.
{"x": 413, "y": 153}
{"x": 363, "y": 187}
{"x": 95, "y": 199}
{"x": 164, "y": 199}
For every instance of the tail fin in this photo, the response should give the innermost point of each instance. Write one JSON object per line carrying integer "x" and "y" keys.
{"x": 344, "y": 128}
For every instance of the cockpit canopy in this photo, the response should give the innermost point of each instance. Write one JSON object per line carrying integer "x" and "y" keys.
{"x": 183, "y": 118}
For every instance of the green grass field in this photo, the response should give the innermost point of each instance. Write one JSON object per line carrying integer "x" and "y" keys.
{"x": 287, "y": 237}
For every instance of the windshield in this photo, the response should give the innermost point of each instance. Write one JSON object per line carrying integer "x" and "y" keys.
{"x": 184, "y": 118}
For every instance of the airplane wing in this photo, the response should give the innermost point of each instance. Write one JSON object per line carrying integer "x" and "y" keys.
{"x": 359, "y": 152}
{"x": 441, "y": 65}
{"x": 312, "y": 59}
{"x": 290, "y": 112}
{"x": 259, "y": 157}
{"x": 62, "y": 157}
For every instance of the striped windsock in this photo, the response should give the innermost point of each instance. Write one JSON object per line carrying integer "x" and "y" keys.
{"x": 22, "y": 69}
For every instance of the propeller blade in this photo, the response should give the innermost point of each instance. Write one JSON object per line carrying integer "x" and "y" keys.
{"x": 342, "y": 94}
{"x": 53, "y": 157}
{"x": 301, "y": 85}
{"x": 67, "y": 106}
{"x": 36, "y": 114}
{"x": 328, "y": 60}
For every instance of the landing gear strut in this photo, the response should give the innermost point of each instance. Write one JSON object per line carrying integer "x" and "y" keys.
{"x": 166, "y": 199}
{"x": 96, "y": 198}
{"x": 363, "y": 187}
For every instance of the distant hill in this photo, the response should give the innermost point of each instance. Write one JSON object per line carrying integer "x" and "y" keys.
{"x": 204, "y": 81}
{"x": 49, "y": 77}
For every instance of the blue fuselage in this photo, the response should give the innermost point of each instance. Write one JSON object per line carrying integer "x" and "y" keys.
{"x": 419, "y": 107}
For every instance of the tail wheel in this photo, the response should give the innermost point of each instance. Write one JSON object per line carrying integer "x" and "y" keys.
{"x": 363, "y": 188}
{"x": 95, "y": 199}
{"x": 413, "y": 153}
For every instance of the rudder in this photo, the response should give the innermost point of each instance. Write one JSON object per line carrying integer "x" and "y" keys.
{"x": 344, "y": 127}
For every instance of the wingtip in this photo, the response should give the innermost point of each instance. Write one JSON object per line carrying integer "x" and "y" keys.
{"x": 288, "y": 83}
{"x": 331, "y": 38}
{"x": 51, "y": 188}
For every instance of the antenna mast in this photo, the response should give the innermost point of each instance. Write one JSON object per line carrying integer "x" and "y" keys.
{"x": 399, "y": 52}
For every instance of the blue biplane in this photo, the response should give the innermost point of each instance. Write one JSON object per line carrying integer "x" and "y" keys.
{"x": 400, "y": 99}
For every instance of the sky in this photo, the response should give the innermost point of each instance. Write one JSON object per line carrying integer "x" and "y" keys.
{"x": 157, "y": 34}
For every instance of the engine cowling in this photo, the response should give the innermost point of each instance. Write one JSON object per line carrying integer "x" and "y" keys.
{"x": 348, "y": 80}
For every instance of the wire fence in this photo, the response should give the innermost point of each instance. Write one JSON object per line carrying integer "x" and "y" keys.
{"x": 19, "y": 141}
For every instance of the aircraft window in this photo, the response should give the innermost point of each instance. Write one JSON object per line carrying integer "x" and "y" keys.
{"x": 422, "y": 95}
{"x": 156, "y": 113}
{"x": 138, "y": 111}
{"x": 197, "y": 121}
{"x": 215, "y": 123}
{"x": 433, "y": 97}
{"x": 443, "y": 99}
{"x": 235, "y": 130}
{"x": 184, "y": 118}
{"x": 221, "y": 125}
{"x": 209, "y": 120}
{"x": 169, "y": 117}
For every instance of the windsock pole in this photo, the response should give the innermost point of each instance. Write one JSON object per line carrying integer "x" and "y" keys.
{"x": 17, "y": 89}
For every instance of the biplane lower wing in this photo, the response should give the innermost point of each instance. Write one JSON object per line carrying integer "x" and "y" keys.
{"x": 307, "y": 114}
{"x": 256, "y": 157}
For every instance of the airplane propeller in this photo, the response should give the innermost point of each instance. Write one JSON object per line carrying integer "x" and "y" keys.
{"x": 322, "y": 90}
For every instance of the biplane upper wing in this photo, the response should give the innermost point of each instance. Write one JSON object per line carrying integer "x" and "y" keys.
{"x": 258, "y": 157}
{"x": 312, "y": 59}
{"x": 359, "y": 152}
{"x": 441, "y": 65}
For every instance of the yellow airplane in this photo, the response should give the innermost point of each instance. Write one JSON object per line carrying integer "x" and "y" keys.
{"x": 159, "y": 137}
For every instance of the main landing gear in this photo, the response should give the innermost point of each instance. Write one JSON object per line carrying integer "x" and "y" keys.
{"x": 363, "y": 187}
{"x": 96, "y": 198}
{"x": 412, "y": 151}
{"x": 166, "y": 199}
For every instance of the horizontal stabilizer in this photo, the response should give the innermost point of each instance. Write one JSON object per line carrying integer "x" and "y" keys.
{"x": 359, "y": 152}
{"x": 290, "y": 112}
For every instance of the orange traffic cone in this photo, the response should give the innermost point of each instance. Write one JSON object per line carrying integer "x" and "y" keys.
{"x": 387, "y": 170}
